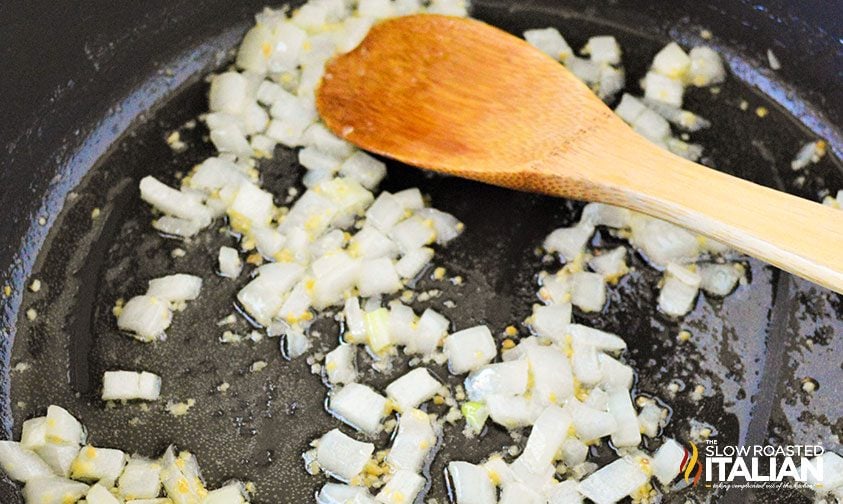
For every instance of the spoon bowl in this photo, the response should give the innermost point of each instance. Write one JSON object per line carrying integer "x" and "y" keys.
{"x": 461, "y": 97}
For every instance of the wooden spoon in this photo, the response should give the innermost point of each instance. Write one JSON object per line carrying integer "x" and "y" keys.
{"x": 461, "y": 97}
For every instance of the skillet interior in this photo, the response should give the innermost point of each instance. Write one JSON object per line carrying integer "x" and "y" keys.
{"x": 749, "y": 350}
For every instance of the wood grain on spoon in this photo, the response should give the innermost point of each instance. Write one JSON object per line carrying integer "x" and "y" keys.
{"x": 461, "y": 97}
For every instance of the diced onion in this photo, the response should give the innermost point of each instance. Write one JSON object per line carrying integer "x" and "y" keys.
{"x": 342, "y": 456}
{"x": 359, "y": 406}
{"x": 469, "y": 349}
{"x": 128, "y": 385}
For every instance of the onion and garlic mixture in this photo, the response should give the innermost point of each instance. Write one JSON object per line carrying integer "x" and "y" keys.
{"x": 342, "y": 244}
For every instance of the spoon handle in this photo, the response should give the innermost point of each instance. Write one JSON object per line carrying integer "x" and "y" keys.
{"x": 791, "y": 233}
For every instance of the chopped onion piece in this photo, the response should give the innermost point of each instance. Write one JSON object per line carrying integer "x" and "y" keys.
{"x": 569, "y": 242}
{"x": 504, "y": 378}
{"x": 413, "y": 233}
{"x": 672, "y": 61}
{"x": 364, "y": 168}
{"x": 359, "y": 406}
{"x": 402, "y": 488}
{"x": 471, "y": 484}
{"x": 99, "y": 494}
{"x": 679, "y": 291}
{"x": 590, "y": 423}
{"x": 585, "y": 363}
{"x": 21, "y": 464}
{"x": 515, "y": 492}
{"x": 706, "y": 67}
{"x": 611, "y": 264}
{"x": 601, "y": 340}
{"x": 446, "y": 226}
{"x": 174, "y": 288}
{"x": 173, "y": 202}
{"x": 34, "y": 433}
{"x": 550, "y": 42}
{"x": 232, "y": 493}
{"x": 649, "y": 420}
{"x": 98, "y": 464}
{"x": 378, "y": 276}
{"x": 181, "y": 478}
{"x": 552, "y": 378}
{"x": 603, "y": 49}
{"x": 564, "y": 492}
{"x": 402, "y": 323}
{"x": 340, "y": 364}
{"x": 614, "y": 374}
{"x": 719, "y": 279}
{"x": 176, "y": 226}
{"x": 413, "y": 262}
{"x": 128, "y": 385}
{"x": 386, "y": 211}
{"x": 141, "y": 479}
{"x": 63, "y": 428}
{"x": 613, "y": 482}
{"x": 620, "y": 406}
{"x": 340, "y": 493}
{"x": 378, "y": 336}
{"x": 59, "y": 457}
{"x": 53, "y": 490}
{"x": 585, "y": 70}
{"x": 229, "y": 262}
{"x": 432, "y": 328}
{"x": 469, "y": 349}
{"x": 229, "y": 93}
{"x": 664, "y": 89}
{"x": 512, "y": 411}
{"x": 664, "y": 242}
{"x": 411, "y": 199}
{"x": 342, "y": 456}
{"x": 412, "y": 389}
{"x": 551, "y": 321}
{"x": 573, "y": 452}
{"x": 146, "y": 317}
{"x": 413, "y": 442}
{"x": 588, "y": 291}
{"x": 668, "y": 461}
{"x": 355, "y": 324}
{"x": 550, "y": 429}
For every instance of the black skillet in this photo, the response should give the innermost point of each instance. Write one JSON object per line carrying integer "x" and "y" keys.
{"x": 89, "y": 91}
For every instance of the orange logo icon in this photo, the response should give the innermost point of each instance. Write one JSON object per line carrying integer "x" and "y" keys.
{"x": 690, "y": 461}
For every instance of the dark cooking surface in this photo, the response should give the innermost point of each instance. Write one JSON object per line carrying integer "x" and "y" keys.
{"x": 749, "y": 356}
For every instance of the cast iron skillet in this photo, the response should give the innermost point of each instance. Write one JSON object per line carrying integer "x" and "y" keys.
{"x": 89, "y": 92}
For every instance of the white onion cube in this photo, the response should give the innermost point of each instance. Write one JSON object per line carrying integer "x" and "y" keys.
{"x": 21, "y": 464}
{"x": 146, "y": 317}
{"x": 550, "y": 42}
{"x": 98, "y": 464}
{"x": 340, "y": 364}
{"x": 359, "y": 406}
{"x": 342, "y": 456}
{"x": 504, "y": 378}
{"x": 141, "y": 479}
{"x": 471, "y": 484}
{"x": 412, "y": 389}
{"x": 128, "y": 385}
{"x": 174, "y": 288}
{"x": 53, "y": 490}
{"x": 613, "y": 482}
{"x": 413, "y": 442}
{"x": 402, "y": 488}
{"x": 469, "y": 349}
